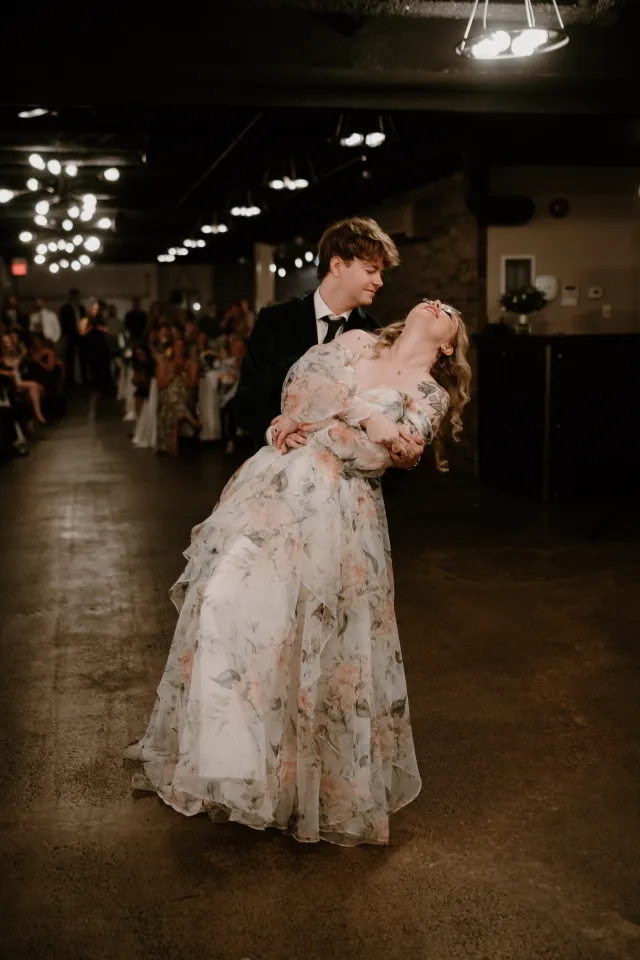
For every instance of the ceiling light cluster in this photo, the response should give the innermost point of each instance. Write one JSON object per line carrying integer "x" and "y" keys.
{"x": 509, "y": 43}
{"x": 358, "y": 133}
{"x": 246, "y": 211}
{"x": 214, "y": 228}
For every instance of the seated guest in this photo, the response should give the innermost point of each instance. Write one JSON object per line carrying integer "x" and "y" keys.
{"x": 42, "y": 365}
{"x": 10, "y": 359}
{"x": 135, "y": 321}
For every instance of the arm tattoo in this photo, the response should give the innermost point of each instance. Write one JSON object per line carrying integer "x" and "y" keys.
{"x": 437, "y": 398}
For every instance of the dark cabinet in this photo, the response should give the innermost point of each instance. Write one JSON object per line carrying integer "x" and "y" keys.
{"x": 560, "y": 416}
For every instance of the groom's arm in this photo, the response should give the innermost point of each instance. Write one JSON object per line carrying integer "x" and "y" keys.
{"x": 251, "y": 402}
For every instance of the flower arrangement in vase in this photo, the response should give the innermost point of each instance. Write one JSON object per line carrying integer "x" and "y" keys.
{"x": 523, "y": 302}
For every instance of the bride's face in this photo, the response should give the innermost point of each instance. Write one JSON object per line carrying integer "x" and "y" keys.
{"x": 438, "y": 322}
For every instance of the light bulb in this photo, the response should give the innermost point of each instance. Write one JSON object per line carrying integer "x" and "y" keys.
{"x": 222, "y": 228}
{"x": 67, "y": 225}
{"x": 253, "y": 211}
{"x": 42, "y": 207}
{"x": 301, "y": 183}
{"x": 172, "y": 251}
{"x": 112, "y": 174}
{"x": 71, "y": 170}
{"x": 161, "y": 258}
{"x": 182, "y": 251}
{"x": 40, "y": 221}
{"x": 61, "y": 244}
{"x": 169, "y": 258}
{"x": 26, "y": 237}
{"x": 353, "y": 140}
{"x": 6, "y": 196}
{"x": 201, "y": 243}
{"x": 104, "y": 223}
{"x": 235, "y": 211}
{"x": 375, "y": 139}
{"x": 276, "y": 184}
{"x": 89, "y": 200}
{"x": 39, "y": 259}
{"x": 298, "y": 262}
{"x": 36, "y": 161}
{"x": 53, "y": 267}
{"x": 528, "y": 42}
{"x": 196, "y": 306}
{"x": 272, "y": 268}
{"x": 188, "y": 243}
{"x": 84, "y": 260}
{"x": 32, "y": 184}
{"x": 64, "y": 264}
{"x": 282, "y": 272}
{"x": 54, "y": 167}
{"x": 308, "y": 256}
{"x": 77, "y": 240}
{"x": 69, "y": 247}
{"x": 76, "y": 265}
{"x": 87, "y": 214}
{"x": 32, "y": 114}
{"x": 492, "y": 46}
{"x": 53, "y": 246}
{"x": 41, "y": 248}
{"x": 206, "y": 228}
{"x": 74, "y": 212}
{"x": 92, "y": 244}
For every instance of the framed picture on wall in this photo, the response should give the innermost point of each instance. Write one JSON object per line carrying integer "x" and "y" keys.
{"x": 517, "y": 270}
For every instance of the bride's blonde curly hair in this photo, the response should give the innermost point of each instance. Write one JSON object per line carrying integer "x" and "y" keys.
{"x": 451, "y": 372}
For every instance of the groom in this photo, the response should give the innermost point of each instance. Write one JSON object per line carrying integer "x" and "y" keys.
{"x": 352, "y": 255}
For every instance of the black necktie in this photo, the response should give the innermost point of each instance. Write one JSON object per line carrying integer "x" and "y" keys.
{"x": 334, "y": 325}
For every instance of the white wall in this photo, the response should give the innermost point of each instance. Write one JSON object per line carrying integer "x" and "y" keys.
{"x": 596, "y": 244}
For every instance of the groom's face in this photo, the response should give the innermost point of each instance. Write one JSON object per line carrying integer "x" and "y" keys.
{"x": 361, "y": 280}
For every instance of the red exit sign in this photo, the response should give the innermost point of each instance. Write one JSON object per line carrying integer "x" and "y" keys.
{"x": 19, "y": 267}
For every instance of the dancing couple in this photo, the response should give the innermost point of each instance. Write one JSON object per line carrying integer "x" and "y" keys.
{"x": 284, "y": 702}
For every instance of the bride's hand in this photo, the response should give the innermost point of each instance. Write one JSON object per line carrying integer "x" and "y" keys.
{"x": 281, "y": 428}
{"x": 380, "y": 429}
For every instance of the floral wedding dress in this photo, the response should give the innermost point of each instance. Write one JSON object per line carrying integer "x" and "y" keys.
{"x": 283, "y": 702}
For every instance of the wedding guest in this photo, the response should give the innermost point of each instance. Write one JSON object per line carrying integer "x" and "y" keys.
{"x": 45, "y": 321}
{"x": 175, "y": 376}
{"x": 135, "y": 321}
{"x": 10, "y": 359}
{"x": 13, "y": 318}
{"x": 71, "y": 315}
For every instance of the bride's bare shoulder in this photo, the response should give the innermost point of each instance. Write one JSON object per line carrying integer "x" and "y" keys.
{"x": 356, "y": 339}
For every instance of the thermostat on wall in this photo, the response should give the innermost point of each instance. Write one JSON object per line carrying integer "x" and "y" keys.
{"x": 595, "y": 293}
{"x": 570, "y": 294}
{"x": 548, "y": 286}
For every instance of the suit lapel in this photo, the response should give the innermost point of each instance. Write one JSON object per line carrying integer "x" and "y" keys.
{"x": 306, "y": 331}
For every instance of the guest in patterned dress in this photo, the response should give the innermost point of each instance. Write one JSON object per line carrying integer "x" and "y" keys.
{"x": 175, "y": 377}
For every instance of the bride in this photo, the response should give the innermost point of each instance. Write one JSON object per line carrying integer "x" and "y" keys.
{"x": 284, "y": 702}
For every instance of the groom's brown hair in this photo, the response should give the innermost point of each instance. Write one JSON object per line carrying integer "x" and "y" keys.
{"x": 358, "y": 238}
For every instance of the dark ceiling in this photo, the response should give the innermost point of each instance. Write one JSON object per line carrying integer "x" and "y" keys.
{"x": 195, "y": 107}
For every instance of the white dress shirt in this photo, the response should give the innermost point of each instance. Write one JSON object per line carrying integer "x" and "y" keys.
{"x": 46, "y": 322}
{"x": 323, "y": 311}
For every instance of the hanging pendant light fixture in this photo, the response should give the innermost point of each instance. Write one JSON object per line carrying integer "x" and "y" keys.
{"x": 508, "y": 42}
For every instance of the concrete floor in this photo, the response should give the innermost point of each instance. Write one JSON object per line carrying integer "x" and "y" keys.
{"x": 520, "y": 633}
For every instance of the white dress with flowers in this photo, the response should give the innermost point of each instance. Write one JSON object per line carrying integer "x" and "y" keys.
{"x": 284, "y": 702}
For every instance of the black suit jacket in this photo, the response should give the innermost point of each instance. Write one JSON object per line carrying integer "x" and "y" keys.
{"x": 283, "y": 332}
{"x": 68, "y": 322}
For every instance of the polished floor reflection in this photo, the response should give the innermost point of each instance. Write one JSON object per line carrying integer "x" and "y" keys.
{"x": 520, "y": 633}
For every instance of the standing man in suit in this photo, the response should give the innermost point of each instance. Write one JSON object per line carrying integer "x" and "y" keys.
{"x": 352, "y": 255}
{"x": 71, "y": 314}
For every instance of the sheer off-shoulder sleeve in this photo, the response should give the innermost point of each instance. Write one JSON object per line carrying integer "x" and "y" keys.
{"x": 322, "y": 386}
